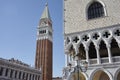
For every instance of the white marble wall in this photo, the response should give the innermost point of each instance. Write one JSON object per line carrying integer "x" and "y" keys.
{"x": 75, "y": 15}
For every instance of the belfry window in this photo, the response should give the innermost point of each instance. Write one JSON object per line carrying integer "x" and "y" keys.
{"x": 95, "y": 10}
{"x": 42, "y": 31}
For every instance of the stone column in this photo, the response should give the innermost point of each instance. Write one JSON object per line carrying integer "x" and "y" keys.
{"x": 25, "y": 76}
{"x": 109, "y": 53}
{"x": 76, "y": 50}
{"x": 21, "y": 77}
{"x": 13, "y": 76}
{"x": 98, "y": 55}
{"x": 66, "y": 58}
{"x": 17, "y": 74}
{"x": 34, "y": 76}
{"x": 87, "y": 55}
{"x": 9, "y": 71}
{"x": 0, "y": 70}
{"x": 31, "y": 77}
{"x": 28, "y": 78}
{"x": 119, "y": 44}
{"x": 37, "y": 77}
{"x": 4, "y": 71}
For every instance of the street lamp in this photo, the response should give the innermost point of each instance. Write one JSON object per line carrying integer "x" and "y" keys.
{"x": 80, "y": 67}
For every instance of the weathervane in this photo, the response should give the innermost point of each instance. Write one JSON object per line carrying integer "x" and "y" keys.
{"x": 46, "y": 2}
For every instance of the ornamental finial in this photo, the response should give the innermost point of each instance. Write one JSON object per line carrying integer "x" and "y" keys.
{"x": 46, "y": 3}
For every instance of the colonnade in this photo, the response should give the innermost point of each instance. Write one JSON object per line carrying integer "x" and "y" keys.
{"x": 98, "y": 46}
{"x": 17, "y": 74}
{"x": 13, "y": 70}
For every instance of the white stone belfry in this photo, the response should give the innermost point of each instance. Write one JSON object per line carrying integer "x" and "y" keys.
{"x": 44, "y": 30}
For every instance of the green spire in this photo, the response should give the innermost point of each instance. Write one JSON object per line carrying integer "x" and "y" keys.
{"x": 46, "y": 13}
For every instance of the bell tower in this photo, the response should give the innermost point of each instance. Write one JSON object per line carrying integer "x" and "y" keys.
{"x": 43, "y": 58}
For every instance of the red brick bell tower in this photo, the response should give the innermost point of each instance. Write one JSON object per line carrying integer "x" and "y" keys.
{"x": 43, "y": 58}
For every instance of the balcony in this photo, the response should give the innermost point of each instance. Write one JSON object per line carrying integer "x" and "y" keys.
{"x": 116, "y": 59}
{"x": 104, "y": 60}
{"x": 93, "y": 61}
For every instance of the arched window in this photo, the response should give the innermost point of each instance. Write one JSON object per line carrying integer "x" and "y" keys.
{"x": 95, "y": 10}
{"x": 103, "y": 49}
{"x": 115, "y": 50}
{"x": 92, "y": 51}
{"x": 101, "y": 75}
{"x": 81, "y": 54}
{"x": 72, "y": 53}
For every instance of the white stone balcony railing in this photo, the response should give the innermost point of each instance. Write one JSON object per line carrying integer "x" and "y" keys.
{"x": 93, "y": 61}
{"x": 116, "y": 59}
{"x": 74, "y": 63}
{"x": 104, "y": 60}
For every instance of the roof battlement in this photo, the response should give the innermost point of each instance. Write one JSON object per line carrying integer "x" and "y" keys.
{"x": 15, "y": 61}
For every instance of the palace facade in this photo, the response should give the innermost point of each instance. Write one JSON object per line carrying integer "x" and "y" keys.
{"x": 92, "y": 32}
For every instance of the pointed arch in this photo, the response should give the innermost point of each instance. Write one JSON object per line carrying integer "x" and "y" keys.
{"x": 101, "y": 75}
{"x": 117, "y": 74}
{"x": 103, "y": 49}
{"x": 72, "y": 53}
{"x": 115, "y": 50}
{"x": 95, "y": 10}
{"x": 82, "y": 54}
{"x": 74, "y": 76}
{"x": 92, "y": 51}
{"x": 98, "y": 73}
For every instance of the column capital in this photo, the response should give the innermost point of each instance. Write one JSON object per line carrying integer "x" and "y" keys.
{"x": 119, "y": 45}
{"x": 108, "y": 46}
{"x": 97, "y": 47}
{"x": 86, "y": 48}
{"x": 66, "y": 51}
{"x": 76, "y": 50}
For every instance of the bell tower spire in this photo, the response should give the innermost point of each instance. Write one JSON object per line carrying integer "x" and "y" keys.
{"x": 46, "y": 13}
{"x": 43, "y": 58}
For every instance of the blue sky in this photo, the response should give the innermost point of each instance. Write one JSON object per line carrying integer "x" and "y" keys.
{"x": 18, "y": 26}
